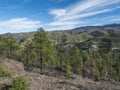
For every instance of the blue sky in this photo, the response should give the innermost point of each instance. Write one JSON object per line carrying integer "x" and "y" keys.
{"x": 29, "y": 15}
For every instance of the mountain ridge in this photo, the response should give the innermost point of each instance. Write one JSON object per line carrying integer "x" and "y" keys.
{"x": 114, "y": 25}
{"x": 79, "y": 33}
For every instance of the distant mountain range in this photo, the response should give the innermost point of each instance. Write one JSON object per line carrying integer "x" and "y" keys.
{"x": 86, "y": 28}
{"x": 79, "y": 33}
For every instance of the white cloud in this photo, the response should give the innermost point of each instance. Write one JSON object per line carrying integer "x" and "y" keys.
{"x": 82, "y": 6}
{"x": 58, "y": 12}
{"x": 60, "y": 23}
{"x": 64, "y": 27}
{"x": 85, "y": 15}
{"x": 90, "y": 6}
{"x": 104, "y": 20}
{"x": 82, "y": 9}
{"x": 118, "y": 7}
{"x": 115, "y": 18}
{"x": 19, "y": 24}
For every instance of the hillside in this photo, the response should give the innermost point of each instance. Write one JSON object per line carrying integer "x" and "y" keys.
{"x": 76, "y": 34}
{"x": 88, "y": 28}
{"x": 53, "y": 82}
{"x": 80, "y": 34}
{"x": 59, "y": 60}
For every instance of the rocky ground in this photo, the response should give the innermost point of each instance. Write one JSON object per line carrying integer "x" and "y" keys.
{"x": 48, "y": 82}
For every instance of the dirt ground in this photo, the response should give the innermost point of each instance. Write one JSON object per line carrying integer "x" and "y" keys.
{"x": 48, "y": 82}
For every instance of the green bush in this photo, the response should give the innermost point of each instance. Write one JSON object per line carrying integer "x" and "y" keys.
{"x": 19, "y": 83}
{"x": 4, "y": 71}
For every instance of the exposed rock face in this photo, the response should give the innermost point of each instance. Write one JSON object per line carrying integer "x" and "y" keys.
{"x": 48, "y": 82}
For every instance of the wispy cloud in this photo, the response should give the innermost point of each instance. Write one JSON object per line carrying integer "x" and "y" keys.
{"x": 82, "y": 9}
{"x": 64, "y": 27}
{"x": 102, "y": 21}
{"x": 60, "y": 23}
{"x": 19, "y": 24}
{"x": 115, "y": 18}
{"x": 84, "y": 15}
{"x": 57, "y": 12}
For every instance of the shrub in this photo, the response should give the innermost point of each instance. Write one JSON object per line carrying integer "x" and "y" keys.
{"x": 19, "y": 83}
{"x": 4, "y": 71}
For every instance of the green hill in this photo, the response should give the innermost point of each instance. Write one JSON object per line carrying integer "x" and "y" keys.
{"x": 79, "y": 34}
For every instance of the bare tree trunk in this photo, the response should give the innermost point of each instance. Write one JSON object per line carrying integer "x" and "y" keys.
{"x": 41, "y": 62}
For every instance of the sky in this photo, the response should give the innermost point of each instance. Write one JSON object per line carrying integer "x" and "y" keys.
{"x": 29, "y": 15}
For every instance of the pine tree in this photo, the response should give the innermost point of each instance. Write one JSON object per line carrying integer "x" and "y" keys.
{"x": 27, "y": 53}
{"x": 2, "y": 46}
{"x": 43, "y": 48}
{"x": 76, "y": 60}
{"x": 85, "y": 57}
{"x": 12, "y": 46}
{"x": 63, "y": 40}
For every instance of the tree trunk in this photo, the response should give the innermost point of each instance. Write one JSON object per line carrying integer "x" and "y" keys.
{"x": 10, "y": 53}
{"x": 41, "y": 62}
{"x": 27, "y": 58}
{"x": 83, "y": 73}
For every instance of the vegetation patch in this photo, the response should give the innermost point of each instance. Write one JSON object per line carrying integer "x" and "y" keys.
{"x": 4, "y": 71}
{"x": 19, "y": 83}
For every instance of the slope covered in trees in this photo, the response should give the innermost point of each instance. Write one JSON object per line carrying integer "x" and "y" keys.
{"x": 77, "y": 34}
{"x": 67, "y": 57}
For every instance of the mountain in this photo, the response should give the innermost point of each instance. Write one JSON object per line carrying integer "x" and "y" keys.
{"x": 86, "y": 28}
{"x": 87, "y": 58}
{"x": 77, "y": 34}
